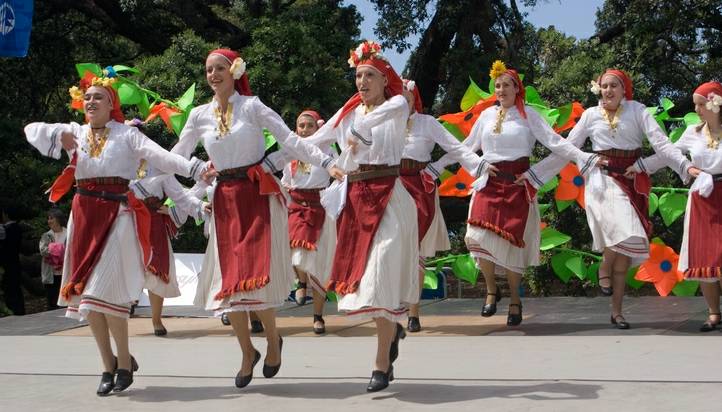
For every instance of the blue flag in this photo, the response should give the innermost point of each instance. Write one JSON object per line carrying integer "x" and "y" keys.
{"x": 16, "y": 19}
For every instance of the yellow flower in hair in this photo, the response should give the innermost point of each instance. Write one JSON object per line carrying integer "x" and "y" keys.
{"x": 103, "y": 81}
{"x": 75, "y": 93}
{"x": 497, "y": 69}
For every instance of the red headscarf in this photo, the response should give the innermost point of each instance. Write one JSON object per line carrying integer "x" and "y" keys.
{"x": 394, "y": 86}
{"x": 115, "y": 113}
{"x": 418, "y": 104}
{"x": 705, "y": 89}
{"x": 521, "y": 95}
{"x": 624, "y": 78}
{"x": 314, "y": 115}
{"x": 241, "y": 85}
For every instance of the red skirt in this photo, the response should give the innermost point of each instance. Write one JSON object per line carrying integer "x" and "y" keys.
{"x": 425, "y": 201}
{"x": 705, "y": 242}
{"x": 161, "y": 228}
{"x": 502, "y": 206}
{"x": 366, "y": 202}
{"x": 305, "y": 218}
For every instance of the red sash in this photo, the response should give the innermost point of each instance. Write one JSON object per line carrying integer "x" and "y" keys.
{"x": 705, "y": 242}
{"x": 161, "y": 227}
{"x": 366, "y": 202}
{"x": 637, "y": 189}
{"x": 305, "y": 218}
{"x": 425, "y": 201}
{"x": 502, "y": 206}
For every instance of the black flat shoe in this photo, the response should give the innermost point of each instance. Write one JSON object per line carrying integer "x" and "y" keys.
{"x": 160, "y": 331}
{"x": 379, "y": 381}
{"x": 414, "y": 324}
{"x": 322, "y": 329}
{"x": 619, "y": 322}
{"x": 489, "y": 309}
{"x": 514, "y": 319}
{"x": 271, "y": 371}
{"x": 123, "y": 380}
{"x": 133, "y": 364}
{"x": 225, "y": 320}
{"x": 301, "y": 301}
{"x": 606, "y": 290}
{"x": 243, "y": 381}
{"x": 107, "y": 382}
{"x": 256, "y": 326}
{"x": 711, "y": 325}
{"x": 394, "y": 349}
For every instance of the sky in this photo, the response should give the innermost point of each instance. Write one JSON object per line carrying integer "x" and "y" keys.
{"x": 572, "y": 17}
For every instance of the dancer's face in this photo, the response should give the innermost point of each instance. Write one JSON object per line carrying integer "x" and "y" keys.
{"x": 306, "y": 126}
{"x": 370, "y": 83}
{"x": 612, "y": 91}
{"x": 505, "y": 90}
{"x": 700, "y": 106}
{"x": 97, "y": 105}
{"x": 218, "y": 74}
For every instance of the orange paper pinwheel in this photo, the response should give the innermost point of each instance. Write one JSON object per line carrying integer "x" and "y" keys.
{"x": 571, "y": 185}
{"x": 465, "y": 120}
{"x": 458, "y": 185}
{"x": 660, "y": 269}
{"x": 164, "y": 111}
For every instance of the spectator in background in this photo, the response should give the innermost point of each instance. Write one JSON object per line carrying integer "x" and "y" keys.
{"x": 52, "y": 249}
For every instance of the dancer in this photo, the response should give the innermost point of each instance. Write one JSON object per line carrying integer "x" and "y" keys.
{"x": 376, "y": 215}
{"x": 503, "y": 225}
{"x": 108, "y": 248}
{"x": 247, "y": 266}
{"x": 424, "y": 132}
{"x": 617, "y": 205}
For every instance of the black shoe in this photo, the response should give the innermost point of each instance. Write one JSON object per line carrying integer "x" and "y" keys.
{"x": 133, "y": 364}
{"x": 606, "y": 290}
{"x": 160, "y": 331}
{"x": 302, "y": 301}
{"x": 256, "y": 326}
{"x": 394, "y": 349}
{"x": 321, "y": 330}
{"x": 710, "y": 325}
{"x": 379, "y": 381}
{"x": 489, "y": 309}
{"x": 414, "y": 324}
{"x": 106, "y": 384}
{"x": 225, "y": 320}
{"x": 132, "y": 310}
{"x": 123, "y": 381}
{"x": 243, "y": 381}
{"x": 271, "y": 371}
{"x": 514, "y": 319}
{"x": 619, "y": 322}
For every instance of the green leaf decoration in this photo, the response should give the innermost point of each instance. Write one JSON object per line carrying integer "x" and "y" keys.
{"x": 472, "y": 95}
{"x": 143, "y": 105}
{"x": 685, "y": 288}
{"x": 563, "y": 204}
{"x": 564, "y": 113}
{"x": 666, "y": 104}
{"x": 178, "y": 120}
{"x": 631, "y": 281}
{"x": 551, "y": 238}
{"x": 445, "y": 175}
{"x": 454, "y": 130}
{"x": 331, "y": 296}
{"x": 129, "y": 93}
{"x": 653, "y": 203}
{"x": 532, "y": 96}
{"x": 675, "y": 134}
{"x": 465, "y": 268}
{"x": 691, "y": 118}
{"x": 186, "y": 101}
{"x": 577, "y": 266}
{"x": 549, "y": 115}
{"x": 593, "y": 273}
{"x": 550, "y": 185}
{"x": 559, "y": 265}
{"x": 543, "y": 207}
{"x": 121, "y": 68}
{"x": 672, "y": 206}
{"x": 169, "y": 202}
{"x": 270, "y": 139}
{"x": 88, "y": 67}
{"x": 430, "y": 280}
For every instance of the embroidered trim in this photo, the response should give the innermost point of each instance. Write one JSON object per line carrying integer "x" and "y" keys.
{"x": 499, "y": 231}
{"x": 358, "y": 136}
{"x": 270, "y": 165}
{"x": 243, "y": 286}
{"x": 703, "y": 273}
{"x": 326, "y": 162}
{"x": 589, "y": 163}
{"x": 53, "y": 142}
{"x": 433, "y": 170}
{"x": 640, "y": 165}
{"x": 297, "y": 243}
{"x": 534, "y": 177}
{"x": 196, "y": 165}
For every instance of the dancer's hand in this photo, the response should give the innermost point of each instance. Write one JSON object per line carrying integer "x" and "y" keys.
{"x": 630, "y": 172}
{"x": 207, "y": 208}
{"x": 520, "y": 179}
{"x": 68, "y": 140}
{"x": 602, "y": 161}
{"x": 492, "y": 170}
{"x": 209, "y": 175}
{"x": 337, "y": 173}
{"x": 163, "y": 210}
{"x": 693, "y": 171}
{"x": 352, "y": 143}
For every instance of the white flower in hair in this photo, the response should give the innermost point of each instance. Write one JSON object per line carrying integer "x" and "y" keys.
{"x": 238, "y": 67}
{"x": 596, "y": 89}
{"x": 360, "y": 51}
{"x": 320, "y": 122}
{"x": 410, "y": 85}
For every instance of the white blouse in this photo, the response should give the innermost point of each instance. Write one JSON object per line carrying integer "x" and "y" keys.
{"x": 516, "y": 140}
{"x": 381, "y": 133}
{"x": 162, "y": 186}
{"x": 121, "y": 155}
{"x": 424, "y": 132}
{"x": 307, "y": 176}
{"x": 244, "y": 145}
{"x": 635, "y": 122}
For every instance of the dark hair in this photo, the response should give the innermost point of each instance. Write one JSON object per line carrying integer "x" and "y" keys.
{"x": 58, "y": 215}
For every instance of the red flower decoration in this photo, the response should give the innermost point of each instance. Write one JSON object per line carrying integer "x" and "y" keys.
{"x": 571, "y": 186}
{"x": 458, "y": 185}
{"x": 660, "y": 268}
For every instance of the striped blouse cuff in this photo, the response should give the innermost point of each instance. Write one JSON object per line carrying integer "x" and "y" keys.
{"x": 358, "y": 135}
{"x": 591, "y": 161}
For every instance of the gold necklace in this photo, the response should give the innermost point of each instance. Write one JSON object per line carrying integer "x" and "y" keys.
{"x": 368, "y": 108}
{"x": 712, "y": 141}
{"x": 223, "y": 120}
{"x": 303, "y": 167}
{"x": 142, "y": 171}
{"x": 500, "y": 115}
{"x": 96, "y": 144}
{"x": 614, "y": 121}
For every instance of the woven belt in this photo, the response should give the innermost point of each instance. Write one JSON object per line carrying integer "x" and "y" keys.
{"x": 153, "y": 203}
{"x": 607, "y": 168}
{"x": 412, "y": 164}
{"x": 117, "y": 197}
{"x": 367, "y": 172}
{"x": 109, "y": 180}
{"x": 620, "y": 153}
{"x": 505, "y": 176}
{"x": 310, "y": 190}
{"x": 236, "y": 173}
{"x": 717, "y": 178}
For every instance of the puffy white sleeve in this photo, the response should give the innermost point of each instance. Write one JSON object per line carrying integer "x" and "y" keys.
{"x": 547, "y": 168}
{"x": 189, "y": 137}
{"x": 161, "y": 159}
{"x": 455, "y": 150}
{"x": 290, "y": 141}
{"x": 654, "y": 163}
{"x": 391, "y": 108}
{"x": 328, "y": 134}
{"x": 472, "y": 143}
{"x": 661, "y": 144}
{"x": 46, "y": 136}
{"x": 185, "y": 203}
